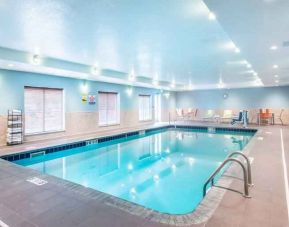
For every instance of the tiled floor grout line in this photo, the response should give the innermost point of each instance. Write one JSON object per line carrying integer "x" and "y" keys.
{"x": 285, "y": 172}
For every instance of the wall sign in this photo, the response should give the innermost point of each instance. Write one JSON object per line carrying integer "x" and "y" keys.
{"x": 84, "y": 99}
{"x": 91, "y": 99}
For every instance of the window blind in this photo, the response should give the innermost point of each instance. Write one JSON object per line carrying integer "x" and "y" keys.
{"x": 43, "y": 108}
{"x": 108, "y": 106}
{"x": 145, "y": 107}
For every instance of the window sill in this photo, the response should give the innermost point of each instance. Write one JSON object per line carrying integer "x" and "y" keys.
{"x": 116, "y": 124}
{"x": 43, "y": 133}
{"x": 143, "y": 121}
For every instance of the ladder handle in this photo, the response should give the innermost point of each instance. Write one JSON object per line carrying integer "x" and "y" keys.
{"x": 248, "y": 165}
{"x": 246, "y": 190}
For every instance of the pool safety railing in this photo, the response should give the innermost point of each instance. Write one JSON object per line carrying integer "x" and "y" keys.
{"x": 246, "y": 173}
{"x": 250, "y": 183}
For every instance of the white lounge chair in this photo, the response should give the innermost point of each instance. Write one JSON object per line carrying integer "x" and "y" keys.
{"x": 180, "y": 114}
{"x": 227, "y": 115}
{"x": 209, "y": 116}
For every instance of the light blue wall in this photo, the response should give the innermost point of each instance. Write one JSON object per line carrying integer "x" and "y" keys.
{"x": 250, "y": 98}
{"x": 12, "y": 91}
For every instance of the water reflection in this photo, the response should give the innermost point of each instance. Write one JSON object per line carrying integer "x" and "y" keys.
{"x": 170, "y": 164}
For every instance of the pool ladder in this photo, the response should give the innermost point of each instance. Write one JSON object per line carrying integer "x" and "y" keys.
{"x": 246, "y": 173}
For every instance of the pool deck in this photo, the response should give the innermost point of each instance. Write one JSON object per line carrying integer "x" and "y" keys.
{"x": 62, "y": 203}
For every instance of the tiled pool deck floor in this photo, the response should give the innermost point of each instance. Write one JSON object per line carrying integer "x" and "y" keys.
{"x": 60, "y": 203}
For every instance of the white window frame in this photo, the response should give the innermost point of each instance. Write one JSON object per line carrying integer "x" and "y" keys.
{"x": 141, "y": 110}
{"x": 63, "y": 111}
{"x": 117, "y": 122}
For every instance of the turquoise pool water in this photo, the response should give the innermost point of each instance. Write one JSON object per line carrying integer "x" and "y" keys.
{"x": 164, "y": 170}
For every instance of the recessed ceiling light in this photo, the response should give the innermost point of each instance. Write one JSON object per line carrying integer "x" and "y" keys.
{"x": 10, "y": 65}
{"x": 212, "y": 16}
{"x": 274, "y": 47}
{"x": 155, "y": 82}
{"x": 276, "y": 76}
{"x": 131, "y": 76}
{"x": 95, "y": 70}
{"x": 237, "y": 50}
{"x": 231, "y": 45}
{"x": 276, "y": 81}
{"x": 249, "y": 66}
{"x": 255, "y": 74}
{"x": 173, "y": 83}
{"x": 275, "y": 66}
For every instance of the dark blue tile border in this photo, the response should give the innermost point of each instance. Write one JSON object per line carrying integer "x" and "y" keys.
{"x": 49, "y": 150}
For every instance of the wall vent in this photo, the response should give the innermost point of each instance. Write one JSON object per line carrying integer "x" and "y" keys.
{"x": 142, "y": 132}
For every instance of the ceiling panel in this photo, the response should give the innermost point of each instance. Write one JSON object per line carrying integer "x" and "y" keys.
{"x": 171, "y": 40}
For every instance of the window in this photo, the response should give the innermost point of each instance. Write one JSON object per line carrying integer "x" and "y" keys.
{"x": 145, "y": 107}
{"x": 158, "y": 107}
{"x": 108, "y": 107}
{"x": 44, "y": 110}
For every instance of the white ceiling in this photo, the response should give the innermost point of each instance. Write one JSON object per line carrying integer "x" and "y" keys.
{"x": 256, "y": 26}
{"x": 173, "y": 41}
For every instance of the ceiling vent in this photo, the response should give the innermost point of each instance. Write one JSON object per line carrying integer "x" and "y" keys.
{"x": 286, "y": 44}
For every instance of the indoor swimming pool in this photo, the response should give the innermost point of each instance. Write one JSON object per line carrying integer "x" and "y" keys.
{"x": 163, "y": 170}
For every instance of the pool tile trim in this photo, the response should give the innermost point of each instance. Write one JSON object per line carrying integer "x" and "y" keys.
{"x": 52, "y": 149}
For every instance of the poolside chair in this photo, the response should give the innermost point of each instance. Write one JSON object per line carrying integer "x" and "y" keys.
{"x": 210, "y": 114}
{"x": 179, "y": 114}
{"x": 280, "y": 116}
{"x": 265, "y": 116}
{"x": 241, "y": 119}
{"x": 190, "y": 114}
{"x": 227, "y": 115}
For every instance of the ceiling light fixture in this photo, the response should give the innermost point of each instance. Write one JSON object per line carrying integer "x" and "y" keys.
{"x": 249, "y": 66}
{"x": 237, "y": 50}
{"x": 173, "y": 84}
{"x": 231, "y": 45}
{"x": 275, "y": 66}
{"x": 276, "y": 76}
{"x": 259, "y": 82}
{"x": 131, "y": 76}
{"x": 274, "y": 47}
{"x": 212, "y": 16}
{"x": 255, "y": 74}
{"x": 221, "y": 83}
{"x": 36, "y": 59}
{"x": 276, "y": 81}
{"x": 129, "y": 91}
{"x": 95, "y": 70}
{"x": 10, "y": 65}
{"x": 84, "y": 87}
{"x": 191, "y": 87}
{"x": 155, "y": 82}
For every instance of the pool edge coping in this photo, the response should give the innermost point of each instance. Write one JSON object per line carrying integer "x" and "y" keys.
{"x": 202, "y": 213}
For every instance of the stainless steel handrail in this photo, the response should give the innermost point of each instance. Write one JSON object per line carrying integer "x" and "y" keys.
{"x": 245, "y": 175}
{"x": 248, "y": 165}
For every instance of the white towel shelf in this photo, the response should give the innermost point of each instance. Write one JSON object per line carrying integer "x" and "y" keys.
{"x": 14, "y": 127}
